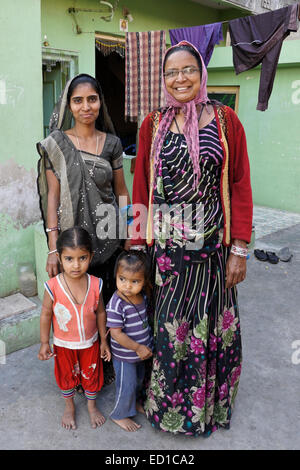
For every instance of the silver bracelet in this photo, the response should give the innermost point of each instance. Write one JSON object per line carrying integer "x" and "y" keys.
{"x": 239, "y": 251}
{"x": 50, "y": 252}
{"x": 138, "y": 247}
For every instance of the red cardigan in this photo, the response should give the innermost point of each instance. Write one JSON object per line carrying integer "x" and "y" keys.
{"x": 235, "y": 189}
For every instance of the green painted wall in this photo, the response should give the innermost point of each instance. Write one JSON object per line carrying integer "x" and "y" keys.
{"x": 20, "y": 127}
{"x": 273, "y": 135}
{"x": 20, "y": 75}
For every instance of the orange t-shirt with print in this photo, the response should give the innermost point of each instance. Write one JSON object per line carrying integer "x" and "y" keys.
{"x": 74, "y": 325}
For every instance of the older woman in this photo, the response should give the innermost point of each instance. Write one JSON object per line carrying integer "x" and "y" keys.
{"x": 193, "y": 159}
{"x": 80, "y": 177}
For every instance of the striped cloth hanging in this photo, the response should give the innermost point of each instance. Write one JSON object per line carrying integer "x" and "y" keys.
{"x": 144, "y": 52}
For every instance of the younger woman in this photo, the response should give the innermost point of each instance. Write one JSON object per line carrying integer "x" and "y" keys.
{"x": 131, "y": 338}
{"x": 80, "y": 173}
{"x": 73, "y": 304}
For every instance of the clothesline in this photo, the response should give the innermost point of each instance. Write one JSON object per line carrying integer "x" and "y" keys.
{"x": 227, "y": 21}
{"x": 144, "y": 52}
{"x": 116, "y": 44}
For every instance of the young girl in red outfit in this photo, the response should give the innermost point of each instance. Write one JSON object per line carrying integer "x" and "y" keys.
{"x": 74, "y": 306}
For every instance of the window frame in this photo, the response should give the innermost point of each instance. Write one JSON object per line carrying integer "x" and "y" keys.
{"x": 220, "y": 89}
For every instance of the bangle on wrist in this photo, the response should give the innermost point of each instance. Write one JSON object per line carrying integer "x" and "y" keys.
{"x": 51, "y": 229}
{"x": 138, "y": 247}
{"x": 239, "y": 251}
{"x": 53, "y": 251}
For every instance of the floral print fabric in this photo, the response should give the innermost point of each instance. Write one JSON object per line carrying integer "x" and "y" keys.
{"x": 197, "y": 358}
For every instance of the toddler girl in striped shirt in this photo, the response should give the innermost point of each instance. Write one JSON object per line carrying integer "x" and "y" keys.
{"x": 131, "y": 338}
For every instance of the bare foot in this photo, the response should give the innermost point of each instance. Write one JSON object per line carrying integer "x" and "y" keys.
{"x": 68, "y": 419}
{"x": 139, "y": 408}
{"x": 127, "y": 424}
{"x": 96, "y": 417}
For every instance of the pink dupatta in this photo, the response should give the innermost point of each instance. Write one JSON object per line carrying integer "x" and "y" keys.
{"x": 191, "y": 124}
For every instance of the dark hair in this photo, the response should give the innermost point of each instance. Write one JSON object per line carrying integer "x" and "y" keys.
{"x": 135, "y": 261}
{"x": 183, "y": 47}
{"x": 74, "y": 237}
{"x": 85, "y": 78}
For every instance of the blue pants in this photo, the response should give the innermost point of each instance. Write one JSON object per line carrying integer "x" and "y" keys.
{"x": 129, "y": 379}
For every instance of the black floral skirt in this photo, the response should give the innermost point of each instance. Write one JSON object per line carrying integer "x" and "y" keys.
{"x": 197, "y": 359}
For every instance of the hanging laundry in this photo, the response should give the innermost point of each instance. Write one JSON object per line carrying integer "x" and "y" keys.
{"x": 143, "y": 73}
{"x": 203, "y": 37}
{"x": 258, "y": 39}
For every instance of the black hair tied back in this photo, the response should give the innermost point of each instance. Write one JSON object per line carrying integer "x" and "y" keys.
{"x": 84, "y": 78}
{"x": 102, "y": 120}
{"x": 74, "y": 237}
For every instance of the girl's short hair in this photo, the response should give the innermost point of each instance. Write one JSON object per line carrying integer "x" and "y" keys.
{"x": 74, "y": 237}
{"x": 134, "y": 261}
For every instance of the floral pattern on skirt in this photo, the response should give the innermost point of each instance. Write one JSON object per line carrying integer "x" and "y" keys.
{"x": 197, "y": 358}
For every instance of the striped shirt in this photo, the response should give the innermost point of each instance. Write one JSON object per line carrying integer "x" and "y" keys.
{"x": 178, "y": 173}
{"x": 122, "y": 314}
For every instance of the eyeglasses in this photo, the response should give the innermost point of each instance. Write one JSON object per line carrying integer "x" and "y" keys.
{"x": 187, "y": 72}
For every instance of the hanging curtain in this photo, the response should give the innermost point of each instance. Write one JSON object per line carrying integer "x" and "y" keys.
{"x": 143, "y": 73}
{"x": 107, "y": 46}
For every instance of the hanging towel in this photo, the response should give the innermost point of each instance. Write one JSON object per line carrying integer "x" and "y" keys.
{"x": 258, "y": 39}
{"x": 204, "y": 38}
{"x": 144, "y": 53}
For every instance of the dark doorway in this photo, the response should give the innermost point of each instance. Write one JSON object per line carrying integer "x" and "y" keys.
{"x": 110, "y": 72}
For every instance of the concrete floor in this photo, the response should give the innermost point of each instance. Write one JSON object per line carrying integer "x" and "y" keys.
{"x": 267, "y": 411}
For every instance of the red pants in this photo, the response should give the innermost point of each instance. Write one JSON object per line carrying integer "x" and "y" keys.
{"x": 78, "y": 366}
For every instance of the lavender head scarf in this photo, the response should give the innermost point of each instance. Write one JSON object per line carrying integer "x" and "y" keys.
{"x": 191, "y": 124}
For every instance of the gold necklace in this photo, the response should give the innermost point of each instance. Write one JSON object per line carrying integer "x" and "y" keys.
{"x": 90, "y": 170}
